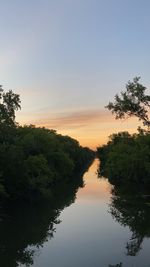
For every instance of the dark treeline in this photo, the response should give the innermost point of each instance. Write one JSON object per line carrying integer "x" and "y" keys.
{"x": 126, "y": 157}
{"x": 33, "y": 160}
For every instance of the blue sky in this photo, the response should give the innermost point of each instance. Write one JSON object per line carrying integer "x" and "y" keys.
{"x": 68, "y": 58}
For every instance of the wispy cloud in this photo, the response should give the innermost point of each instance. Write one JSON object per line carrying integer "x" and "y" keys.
{"x": 73, "y": 119}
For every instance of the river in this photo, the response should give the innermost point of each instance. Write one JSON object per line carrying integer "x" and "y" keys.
{"x": 93, "y": 229}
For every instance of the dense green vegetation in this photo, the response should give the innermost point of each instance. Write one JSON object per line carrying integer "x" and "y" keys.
{"x": 126, "y": 157}
{"x": 33, "y": 160}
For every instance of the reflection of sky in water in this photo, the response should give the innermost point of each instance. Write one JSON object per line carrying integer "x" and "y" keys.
{"x": 88, "y": 235}
{"x": 95, "y": 189}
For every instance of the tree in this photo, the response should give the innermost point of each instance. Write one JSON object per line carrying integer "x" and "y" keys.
{"x": 132, "y": 102}
{"x": 9, "y": 103}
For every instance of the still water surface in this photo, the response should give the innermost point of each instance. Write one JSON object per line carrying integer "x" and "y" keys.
{"x": 92, "y": 229}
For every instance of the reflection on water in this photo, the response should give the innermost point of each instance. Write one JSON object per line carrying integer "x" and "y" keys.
{"x": 24, "y": 229}
{"x": 132, "y": 208}
{"x": 88, "y": 223}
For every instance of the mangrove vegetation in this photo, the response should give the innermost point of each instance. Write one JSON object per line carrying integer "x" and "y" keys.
{"x": 126, "y": 157}
{"x": 33, "y": 160}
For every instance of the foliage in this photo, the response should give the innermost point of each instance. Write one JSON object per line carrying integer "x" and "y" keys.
{"x": 132, "y": 102}
{"x": 9, "y": 103}
{"x": 33, "y": 160}
{"x": 126, "y": 158}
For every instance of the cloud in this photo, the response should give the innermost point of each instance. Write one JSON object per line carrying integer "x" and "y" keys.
{"x": 73, "y": 119}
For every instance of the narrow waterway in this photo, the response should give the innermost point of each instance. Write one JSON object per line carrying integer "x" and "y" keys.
{"x": 91, "y": 230}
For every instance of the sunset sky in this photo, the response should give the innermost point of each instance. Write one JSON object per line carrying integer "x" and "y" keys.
{"x": 68, "y": 58}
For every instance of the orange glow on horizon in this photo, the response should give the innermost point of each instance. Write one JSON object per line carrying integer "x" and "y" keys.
{"x": 91, "y": 128}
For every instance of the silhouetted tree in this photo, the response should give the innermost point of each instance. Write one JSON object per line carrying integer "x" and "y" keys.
{"x": 132, "y": 102}
{"x": 9, "y": 103}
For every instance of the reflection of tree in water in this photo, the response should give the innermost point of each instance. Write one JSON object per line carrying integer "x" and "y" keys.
{"x": 23, "y": 230}
{"x": 132, "y": 210}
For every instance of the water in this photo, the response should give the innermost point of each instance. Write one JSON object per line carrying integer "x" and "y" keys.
{"x": 87, "y": 225}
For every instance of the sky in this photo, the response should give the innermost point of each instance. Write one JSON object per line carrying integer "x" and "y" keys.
{"x": 68, "y": 58}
